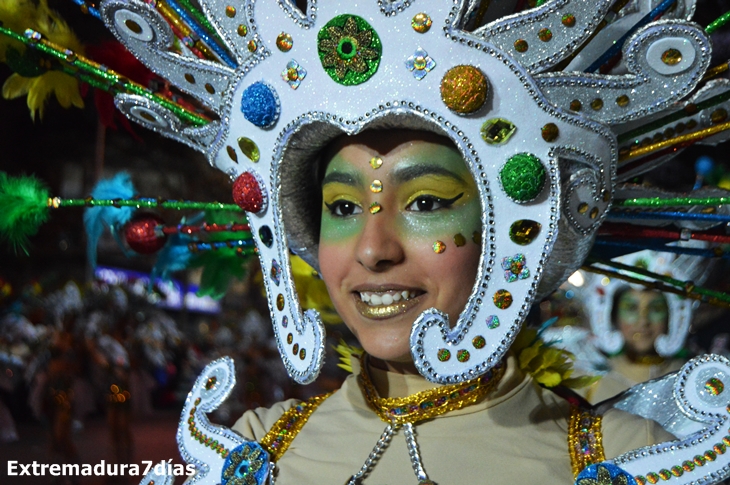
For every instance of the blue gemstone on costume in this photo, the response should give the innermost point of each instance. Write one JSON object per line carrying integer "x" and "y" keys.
{"x": 246, "y": 464}
{"x": 604, "y": 473}
{"x": 260, "y": 105}
{"x": 266, "y": 236}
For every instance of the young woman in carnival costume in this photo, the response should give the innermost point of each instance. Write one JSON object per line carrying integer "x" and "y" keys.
{"x": 442, "y": 172}
{"x": 642, "y": 330}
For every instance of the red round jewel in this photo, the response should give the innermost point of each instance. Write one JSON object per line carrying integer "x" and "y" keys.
{"x": 141, "y": 236}
{"x": 247, "y": 193}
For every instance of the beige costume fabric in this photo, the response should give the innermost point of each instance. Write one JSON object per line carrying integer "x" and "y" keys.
{"x": 625, "y": 374}
{"x": 517, "y": 435}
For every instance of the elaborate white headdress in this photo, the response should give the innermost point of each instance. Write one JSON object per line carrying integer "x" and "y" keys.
{"x": 280, "y": 83}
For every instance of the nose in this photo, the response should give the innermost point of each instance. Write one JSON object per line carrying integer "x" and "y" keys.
{"x": 642, "y": 318}
{"x": 379, "y": 247}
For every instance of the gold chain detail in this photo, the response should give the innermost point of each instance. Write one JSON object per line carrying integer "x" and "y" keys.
{"x": 585, "y": 439}
{"x": 429, "y": 404}
{"x": 288, "y": 426}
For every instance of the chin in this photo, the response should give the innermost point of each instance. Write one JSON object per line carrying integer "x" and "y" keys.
{"x": 400, "y": 356}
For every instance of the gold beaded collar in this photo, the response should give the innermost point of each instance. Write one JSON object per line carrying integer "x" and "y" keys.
{"x": 431, "y": 403}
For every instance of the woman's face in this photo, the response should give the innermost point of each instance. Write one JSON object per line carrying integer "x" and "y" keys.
{"x": 642, "y": 316}
{"x": 400, "y": 217}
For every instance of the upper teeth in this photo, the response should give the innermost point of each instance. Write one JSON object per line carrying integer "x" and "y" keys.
{"x": 374, "y": 298}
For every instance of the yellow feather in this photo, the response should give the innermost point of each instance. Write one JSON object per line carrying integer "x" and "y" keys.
{"x": 312, "y": 291}
{"x": 19, "y": 15}
{"x": 15, "y": 86}
{"x": 346, "y": 354}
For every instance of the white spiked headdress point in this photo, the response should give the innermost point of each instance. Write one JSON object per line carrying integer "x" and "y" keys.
{"x": 280, "y": 83}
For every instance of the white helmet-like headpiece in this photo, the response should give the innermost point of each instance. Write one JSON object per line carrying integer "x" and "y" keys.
{"x": 281, "y": 83}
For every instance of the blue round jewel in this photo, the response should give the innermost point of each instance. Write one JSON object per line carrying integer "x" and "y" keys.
{"x": 246, "y": 463}
{"x": 260, "y": 105}
{"x": 603, "y": 473}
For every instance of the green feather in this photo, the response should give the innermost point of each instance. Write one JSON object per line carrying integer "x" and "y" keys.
{"x": 221, "y": 266}
{"x": 23, "y": 208}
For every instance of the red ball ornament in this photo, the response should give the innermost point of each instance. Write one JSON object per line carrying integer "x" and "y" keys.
{"x": 141, "y": 235}
{"x": 247, "y": 193}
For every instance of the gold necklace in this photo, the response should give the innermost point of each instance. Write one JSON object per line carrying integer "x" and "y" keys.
{"x": 431, "y": 403}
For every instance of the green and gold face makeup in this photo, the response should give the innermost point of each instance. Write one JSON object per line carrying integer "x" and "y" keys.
{"x": 398, "y": 213}
{"x": 427, "y": 191}
{"x": 641, "y": 316}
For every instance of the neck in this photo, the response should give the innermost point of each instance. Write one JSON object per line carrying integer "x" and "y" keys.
{"x": 393, "y": 366}
{"x": 644, "y": 359}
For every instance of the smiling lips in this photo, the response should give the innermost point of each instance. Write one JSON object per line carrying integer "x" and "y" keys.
{"x": 384, "y": 304}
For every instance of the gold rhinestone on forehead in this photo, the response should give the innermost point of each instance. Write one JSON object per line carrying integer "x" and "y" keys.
{"x": 376, "y": 186}
{"x": 376, "y": 162}
{"x": 375, "y": 208}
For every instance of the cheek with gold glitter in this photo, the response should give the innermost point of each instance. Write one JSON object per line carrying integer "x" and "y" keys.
{"x": 447, "y": 227}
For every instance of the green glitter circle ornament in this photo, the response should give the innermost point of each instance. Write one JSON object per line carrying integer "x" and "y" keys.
{"x": 349, "y": 49}
{"x": 522, "y": 177}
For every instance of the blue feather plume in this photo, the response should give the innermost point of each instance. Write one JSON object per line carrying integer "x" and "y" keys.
{"x": 97, "y": 218}
{"x": 175, "y": 255}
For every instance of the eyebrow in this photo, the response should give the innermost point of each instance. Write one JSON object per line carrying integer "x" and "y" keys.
{"x": 353, "y": 180}
{"x": 405, "y": 174}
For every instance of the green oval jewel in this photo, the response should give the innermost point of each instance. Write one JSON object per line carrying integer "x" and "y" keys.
{"x": 249, "y": 148}
{"x": 349, "y": 49}
{"x": 524, "y": 231}
{"x": 497, "y": 131}
{"x": 523, "y": 177}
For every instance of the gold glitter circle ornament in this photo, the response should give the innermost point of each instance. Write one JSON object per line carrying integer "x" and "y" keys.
{"x": 464, "y": 89}
{"x": 284, "y": 42}
{"x": 421, "y": 23}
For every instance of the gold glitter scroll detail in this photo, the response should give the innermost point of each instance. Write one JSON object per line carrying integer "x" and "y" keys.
{"x": 280, "y": 436}
{"x": 423, "y": 405}
{"x": 585, "y": 439}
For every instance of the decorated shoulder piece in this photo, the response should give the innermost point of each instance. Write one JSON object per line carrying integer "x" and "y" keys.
{"x": 219, "y": 455}
{"x": 693, "y": 405}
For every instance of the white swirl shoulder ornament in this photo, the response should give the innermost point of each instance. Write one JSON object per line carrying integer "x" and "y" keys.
{"x": 697, "y": 412}
{"x": 219, "y": 455}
